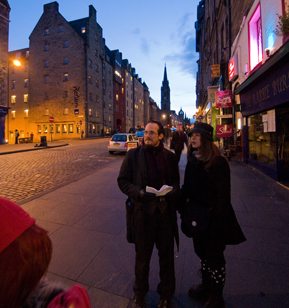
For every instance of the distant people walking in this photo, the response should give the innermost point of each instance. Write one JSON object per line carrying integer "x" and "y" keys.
{"x": 16, "y": 136}
{"x": 179, "y": 139}
{"x": 207, "y": 185}
{"x": 152, "y": 219}
{"x": 167, "y": 135}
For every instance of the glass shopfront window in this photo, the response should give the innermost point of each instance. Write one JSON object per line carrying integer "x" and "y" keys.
{"x": 262, "y": 137}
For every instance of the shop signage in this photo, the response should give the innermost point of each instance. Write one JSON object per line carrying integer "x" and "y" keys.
{"x": 271, "y": 90}
{"x": 224, "y": 116}
{"x": 212, "y": 93}
{"x": 76, "y": 111}
{"x": 233, "y": 68}
{"x": 224, "y": 131}
{"x": 215, "y": 71}
{"x": 224, "y": 99}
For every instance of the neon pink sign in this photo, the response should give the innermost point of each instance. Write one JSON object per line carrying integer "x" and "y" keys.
{"x": 224, "y": 131}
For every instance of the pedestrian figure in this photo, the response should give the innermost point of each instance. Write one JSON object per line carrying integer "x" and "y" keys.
{"x": 179, "y": 139}
{"x": 16, "y": 136}
{"x": 207, "y": 185}
{"x": 152, "y": 218}
{"x": 25, "y": 253}
{"x": 82, "y": 134}
{"x": 167, "y": 135}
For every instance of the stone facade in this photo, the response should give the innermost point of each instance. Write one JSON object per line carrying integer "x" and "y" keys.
{"x": 138, "y": 101}
{"x": 68, "y": 76}
{"x": 4, "y": 30}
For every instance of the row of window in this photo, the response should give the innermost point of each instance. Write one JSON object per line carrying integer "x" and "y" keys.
{"x": 14, "y": 83}
{"x": 13, "y": 98}
{"x": 13, "y": 113}
{"x": 59, "y": 128}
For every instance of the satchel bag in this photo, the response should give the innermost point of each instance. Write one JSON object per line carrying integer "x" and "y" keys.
{"x": 129, "y": 221}
{"x": 195, "y": 218}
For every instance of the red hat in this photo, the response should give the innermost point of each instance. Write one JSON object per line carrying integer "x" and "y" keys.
{"x": 13, "y": 222}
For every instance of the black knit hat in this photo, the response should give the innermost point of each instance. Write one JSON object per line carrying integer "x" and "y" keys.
{"x": 206, "y": 130}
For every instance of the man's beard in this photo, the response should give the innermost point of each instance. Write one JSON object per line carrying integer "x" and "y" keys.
{"x": 147, "y": 146}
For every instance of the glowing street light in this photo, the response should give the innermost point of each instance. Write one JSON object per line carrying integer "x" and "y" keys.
{"x": 16, "y": 62}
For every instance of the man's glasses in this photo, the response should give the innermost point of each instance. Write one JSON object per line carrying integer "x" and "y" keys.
{"x": 150, "y": 133}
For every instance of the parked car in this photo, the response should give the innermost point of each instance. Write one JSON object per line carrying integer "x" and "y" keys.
{"x": 122, "y": 142}
{"x": 140, "y": 135}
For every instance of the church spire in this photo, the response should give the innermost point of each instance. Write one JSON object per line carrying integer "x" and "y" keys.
{"x": 165, "y": 93}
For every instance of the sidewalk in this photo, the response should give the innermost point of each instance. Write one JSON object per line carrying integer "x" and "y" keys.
{"x": 24, "y": 147}
{"x": 86, "y": 222}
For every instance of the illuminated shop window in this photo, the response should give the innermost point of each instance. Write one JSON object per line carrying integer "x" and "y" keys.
{"x": 255, "y": 38}
{"x": 64, "y": 128}
{"x": 25, "y": 98}
{"x": 45, "y": 129}
{"x": 26, "y": 113}
{"x": 13, "y": 114}
{"x": 13, "y": 99}
{"x": 39, "y": 129}
{"x": 70, "y": 128}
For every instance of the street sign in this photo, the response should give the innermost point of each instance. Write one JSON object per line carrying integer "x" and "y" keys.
{"x": 80, "y": 122}
{"x": 51, "y": 119}
{"x": 76, "y": 111}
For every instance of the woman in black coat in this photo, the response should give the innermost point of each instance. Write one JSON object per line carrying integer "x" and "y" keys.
{"x": 207, "y": 184}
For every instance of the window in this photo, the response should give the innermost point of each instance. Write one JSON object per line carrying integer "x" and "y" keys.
{"x": 65, "y": 44}
{"x": 70, "y": 128}
{"x": 57, "y": 128}
{"x": 27, "y": 54}
{"x": 109, "y": 82}
{"x": 25, "y": 98}
{"x": 89, "y": 63}
{"x": 97, "y": 113}
{"x": 25, "y": 83}
{"x": 46, "y": 63}
{"x": 96, "y": 37}
{"x": 90, "y": 95}
{"x": 96, "y": 52}
{"x": 46, "y": 31}
{"x": 90, "y": 112}
{"x": 83, "y": 30}
{"x": 45, "y": 129}
{"x": 13, "y": 99}
{"x": 66, "y": 110}
{"x": 65, "y": 60}
{"x": 89, "y": 128}
{"x": 93, "y": 129}
{"x": 116, "y": 97}
{"x": 26, "y": 67}
{"x": 60, "y": 28}
{"x": 46, "y": 96}
{"x": 65, "y": 93}
{"x": 109, "y": 118}
{"x": 51, "y": 128}
{"x": 109, "y": 106}
{"x": 39, "y": 129}
{"x": 64, "y": 128}
{"x": 13, "y": 114}
{"x": 46, "y": 112}
{"x": 65, "y": 76}
{"x": 255, "y": 38}
{"x": 46, "y": 79}
{"x": 96, "y": 67}
{"x": 13, "y": 84}
{"x": 46, "y": 47}
{"x": 116, "y": 108}
{"x": 96, "y": 83}
{"x": 89, "y": 79}
{"x": 97, "y": 98}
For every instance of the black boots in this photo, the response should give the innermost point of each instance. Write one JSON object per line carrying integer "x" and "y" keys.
{"x": 199, "y": 292}
{"x": 211, "y": 289}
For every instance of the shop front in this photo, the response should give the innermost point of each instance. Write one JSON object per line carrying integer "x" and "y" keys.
{"x": 264, "y": 100}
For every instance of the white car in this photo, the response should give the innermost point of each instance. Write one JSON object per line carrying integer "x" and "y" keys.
{"x": 122, "y": 142}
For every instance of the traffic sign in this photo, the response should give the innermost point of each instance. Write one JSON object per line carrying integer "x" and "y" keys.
{"x": 51, "y": 119}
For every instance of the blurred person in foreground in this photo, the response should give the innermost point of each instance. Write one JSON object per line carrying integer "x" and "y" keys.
{"x": 207, "y": 183}
{"x": 25, "y": 253}
{"x": 153, "y": 218}
{"x": 179, "y": 141}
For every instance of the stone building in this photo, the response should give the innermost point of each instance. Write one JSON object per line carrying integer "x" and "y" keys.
{"x": 128, "y": 80}
{"x": 217, "y": 25}
{"x": 18, "y": 115}
{"x": 69, "y": 77}
{"x": 4, "y": 30}
{"x": 138, "y": 96}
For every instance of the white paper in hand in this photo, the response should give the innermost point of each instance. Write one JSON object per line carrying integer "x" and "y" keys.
{"x": 163, "y": 190}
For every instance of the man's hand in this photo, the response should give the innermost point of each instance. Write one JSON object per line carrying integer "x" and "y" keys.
{"x": 146, "y": 196}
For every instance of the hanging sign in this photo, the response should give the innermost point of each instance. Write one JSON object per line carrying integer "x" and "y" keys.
{"x": 224, "y": 99}
{"x": 224, "y": 131}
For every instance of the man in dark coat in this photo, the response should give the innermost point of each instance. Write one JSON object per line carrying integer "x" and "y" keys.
{"x": 154, "y": 220}
{"x": 179, "y": 139}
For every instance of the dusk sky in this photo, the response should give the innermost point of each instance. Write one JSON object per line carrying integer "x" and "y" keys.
{"x": 150, "y": 34}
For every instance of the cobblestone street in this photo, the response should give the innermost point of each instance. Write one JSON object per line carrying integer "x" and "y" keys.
{"x": 26, "y": 174}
